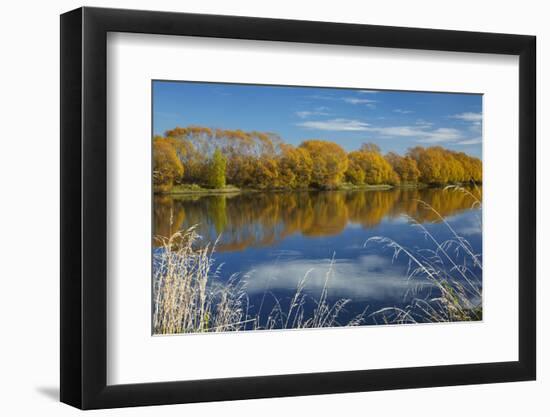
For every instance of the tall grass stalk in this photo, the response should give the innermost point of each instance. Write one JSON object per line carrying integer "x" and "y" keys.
{"x": 183, "y": 300}
{"x": 187, "y": 298}
{"x": 458, "y": 289}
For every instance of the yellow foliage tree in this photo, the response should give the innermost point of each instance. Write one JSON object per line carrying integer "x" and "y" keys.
{"x": 295, "y": 167}
{"x": 368, "y": 166}
{"x": 266, "y": 173}
{"x": 442, "y": 166}
{"x": 166, "y": 165}
{"x": 405, "y": 167}
{"x": 329, "y": 162}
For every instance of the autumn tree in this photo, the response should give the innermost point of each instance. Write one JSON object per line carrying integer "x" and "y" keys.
{"x": 166, "y": 165}
{"x": 329, "y": 162}
{"x": 368, "y": 166}
{"x": 250, "y": 156}
{"x": 240, "y": 142}
{"x": 378, "y": 170}
{"x": 216, "y": 170}
{"x": 240, "y": 170}
{"x": 404, "y": 166}
{"x": 295, "y": 167}
{"x": 356, "y": 167}
{"x": 442, "y": 166}
{"x": 429, "y": 164}
{"x": 266, "y": 173}
{"x": 472, "y": 167}
{"x": 191, "y": 144}
{"x": 370, "y": 147}
{"x": 253, "y": 159}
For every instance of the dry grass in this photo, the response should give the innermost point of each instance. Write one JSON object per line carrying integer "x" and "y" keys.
{"x": 188, "y": 300}
{"x": 451, "y": 267}
{"x": 325, "y": 313}
{"x": 183, "y": 300}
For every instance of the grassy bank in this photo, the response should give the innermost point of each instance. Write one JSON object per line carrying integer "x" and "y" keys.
{"x": 185, "y": 189}
{"x": 197, "y": 189}
{"x": 352, "y": 187}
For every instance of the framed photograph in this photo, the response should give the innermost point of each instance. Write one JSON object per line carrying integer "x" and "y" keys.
{"x": 257, "y": 208}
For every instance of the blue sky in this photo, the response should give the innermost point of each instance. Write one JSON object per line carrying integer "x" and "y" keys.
{"x": 394, "y": 120}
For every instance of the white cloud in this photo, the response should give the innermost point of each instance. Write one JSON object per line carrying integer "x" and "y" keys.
{"x": 305, "y": 114}
{"x": 468, "y": 117}
{"x": 335, "y": 125}
{"x": 474, "y": 119}
{"x": 423, "y": 123}
{"x": 368, "y": 91}
{"x": 424, "y": 135}
{"x": 402, "y": 111}
{"x": 473, "y": 141}
{"x": 355, "y": 100}
{"x": 351, "y": 100}
{"x": 476, "y": 127}
{"x": 443, "y": 134}
{"x": 397, "y": 130}
{"x": 321, "y": 97}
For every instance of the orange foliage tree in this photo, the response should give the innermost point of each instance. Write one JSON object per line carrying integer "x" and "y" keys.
{"x": 442, "y": 166}
{"x": 404, "y": 166}
{"x": 295, "y": 167}
{"x": 330, "y": 163}
{"x": 368, "y": 166}
{"x": 166, "y": 165}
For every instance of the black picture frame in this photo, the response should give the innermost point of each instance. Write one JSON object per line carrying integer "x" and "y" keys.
{"x": 84, "y": 207}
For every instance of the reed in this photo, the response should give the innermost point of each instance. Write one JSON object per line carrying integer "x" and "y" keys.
{"x": 451, "y": 267}
{"x": 187, "y": 298}
{"x": 183, "y": 299}
{"x": 325, "y": 313}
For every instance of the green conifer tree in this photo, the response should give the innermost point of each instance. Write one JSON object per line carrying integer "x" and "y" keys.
{"x": 216, "y": 170}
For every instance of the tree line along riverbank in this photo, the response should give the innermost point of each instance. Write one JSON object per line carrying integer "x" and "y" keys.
{"x": 199, "y": 159}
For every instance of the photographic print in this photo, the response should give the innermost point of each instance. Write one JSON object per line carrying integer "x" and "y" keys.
{"x": 287, "y": 207}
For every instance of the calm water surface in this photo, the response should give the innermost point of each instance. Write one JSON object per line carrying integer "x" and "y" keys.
{"x": 274, "y": 239}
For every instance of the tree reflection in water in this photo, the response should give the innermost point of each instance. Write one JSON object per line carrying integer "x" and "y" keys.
{"x": 251, "y": 220}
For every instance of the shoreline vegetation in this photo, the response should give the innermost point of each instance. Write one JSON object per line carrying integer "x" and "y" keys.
{"x": 185, "y": 189}
{"x": 451, "y": 266}
{"x": 188, "y": 300}
{"x": 189, "y": 297}
{"x": 201, "y": 160}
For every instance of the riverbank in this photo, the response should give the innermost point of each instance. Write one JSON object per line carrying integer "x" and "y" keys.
{"x": 197, "y": 189}
{"x": 229, "y": 189}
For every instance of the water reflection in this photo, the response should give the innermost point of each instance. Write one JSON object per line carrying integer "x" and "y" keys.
{"x": 369, "y": 277}
{"x": 275, "y": 241}
{"x": 254, "y": 220}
